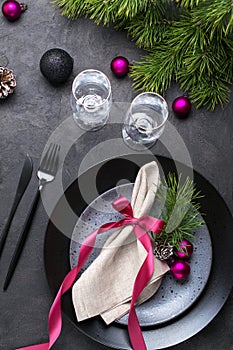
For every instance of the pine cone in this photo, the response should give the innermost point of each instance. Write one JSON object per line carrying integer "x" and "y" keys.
{"x": 7, "y": 82}
{"x": 162, "y": 251}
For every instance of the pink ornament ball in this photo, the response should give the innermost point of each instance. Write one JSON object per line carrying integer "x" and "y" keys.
{"x": 180, "y": 269}
{"x": 187, "y": 248}
{"x": 12, "y": 9}
{"x": 120, "y": 66}
{"x": 181, "y": 106}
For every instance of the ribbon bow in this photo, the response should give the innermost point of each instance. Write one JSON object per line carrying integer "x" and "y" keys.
{"x": 141, "y": 226}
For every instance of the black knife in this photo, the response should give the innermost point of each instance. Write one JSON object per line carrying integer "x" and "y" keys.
{"x": 22, "y": 185}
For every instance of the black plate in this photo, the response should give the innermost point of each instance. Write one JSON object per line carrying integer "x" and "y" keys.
{"x": 218, "y": 219}
{"x": 173, "y": 297}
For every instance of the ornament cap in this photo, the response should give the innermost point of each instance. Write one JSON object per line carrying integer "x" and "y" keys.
{"x": 23, "y": 6}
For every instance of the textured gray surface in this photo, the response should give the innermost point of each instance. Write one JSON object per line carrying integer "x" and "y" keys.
{"x": 31, "y": 115}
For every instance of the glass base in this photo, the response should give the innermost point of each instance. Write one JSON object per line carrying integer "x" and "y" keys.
{"x": 83, "y": 123}
{"x": 136, "y": 146}
{"x": 88, "y": 127}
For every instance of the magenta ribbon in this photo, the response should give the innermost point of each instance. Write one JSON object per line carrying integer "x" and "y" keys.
{"x": 141, "y": 226}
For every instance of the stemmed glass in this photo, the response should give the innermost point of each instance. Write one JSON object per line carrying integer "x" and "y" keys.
{"x": 145, "y": 120}
{"x": 91, "y": 99}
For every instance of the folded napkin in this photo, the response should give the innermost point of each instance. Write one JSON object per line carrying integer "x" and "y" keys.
{"x": 105, "y": 288}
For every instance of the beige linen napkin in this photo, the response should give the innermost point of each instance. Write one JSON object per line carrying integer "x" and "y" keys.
{"x": 105, "y": 288}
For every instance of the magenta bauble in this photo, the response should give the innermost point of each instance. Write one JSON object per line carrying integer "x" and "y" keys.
{"x": 181, "y": 106}
{"x": 120, "y": 66}
{"x": 12, "y": 9}
{"x": 187, "y": 249}
{"x": 180, "y": 269}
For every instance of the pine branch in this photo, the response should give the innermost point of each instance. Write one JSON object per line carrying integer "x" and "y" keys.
{"x": 190, "y": 41}
{"x": 207, "y": 75}
{"x": 149, "y": 27}
{"x": 102, "y": 11}
{"x": 146, "y": 37}
{"x": 111, "y": 11}
{"x": 164, "y": 62}
{"x": 189, "y": 55}
{"x": 216, "y": 16}
{"x": 72, "y": 8}
{"x": 189, "y": 4}
{"x": 157, "y": 70}
{"x": 180, "y": 210}
{"x": 210, "y": 93}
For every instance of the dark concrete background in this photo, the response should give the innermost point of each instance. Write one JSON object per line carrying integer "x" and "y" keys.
{"x": 30, "y": 116}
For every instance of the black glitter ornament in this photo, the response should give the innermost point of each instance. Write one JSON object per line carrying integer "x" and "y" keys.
{"x": 56, "y": 65}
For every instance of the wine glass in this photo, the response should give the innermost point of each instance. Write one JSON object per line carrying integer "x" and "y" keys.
{"x": 91, "y": 99}
{"x": 145, "y": 120}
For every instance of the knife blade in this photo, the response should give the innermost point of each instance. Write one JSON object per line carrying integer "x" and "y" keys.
{"x": 25, "y": 177}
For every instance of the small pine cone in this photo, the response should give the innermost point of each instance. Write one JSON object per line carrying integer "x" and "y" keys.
{"x": 7, "y": 82}
{"x": 162, "y": 251}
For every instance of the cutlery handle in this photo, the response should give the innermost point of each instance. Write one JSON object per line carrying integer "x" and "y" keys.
{"x": 7, "y": 226}
{"x": 21, "y": 240}
{"x": 24, "y": 179}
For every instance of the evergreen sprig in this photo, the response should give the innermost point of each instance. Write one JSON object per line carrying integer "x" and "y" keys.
{"x": 189, "y": 41}
{"x": 72, "y": 8}
{"x": 189, "y": 4}
{"x": 150, "y": 26}
{"x": 180, "y": 210}
{"x": 189, "y": 55}
{"x": 216, "y": 16}
{"x": 157, "y": 70}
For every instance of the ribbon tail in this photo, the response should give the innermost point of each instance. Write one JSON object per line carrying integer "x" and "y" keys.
{"x": 44, "y": 346}
{"x": 135, "y": 333}
{"x": 142, "y": 279}
{"x": 55, "y": 314}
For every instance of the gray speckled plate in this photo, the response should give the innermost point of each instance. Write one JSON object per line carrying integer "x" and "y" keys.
{"x": 173, "y": 297}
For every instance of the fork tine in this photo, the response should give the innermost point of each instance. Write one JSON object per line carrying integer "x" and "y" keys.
{"x": 54, "y": 161}
{"x": 44, "y": 161}
{"x": 50, "y": 160}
